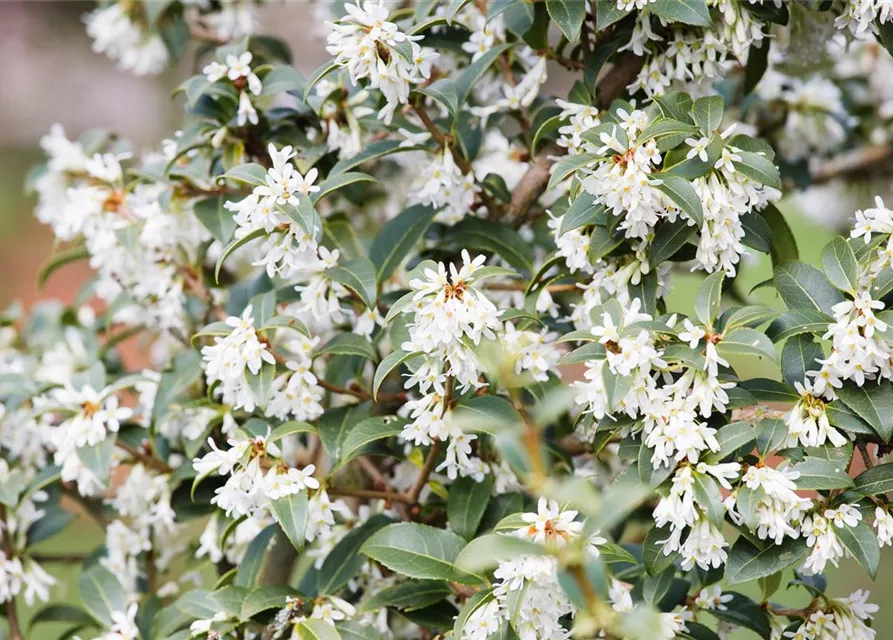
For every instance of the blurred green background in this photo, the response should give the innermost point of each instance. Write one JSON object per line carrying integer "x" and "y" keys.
{"x": 57, "y": 78}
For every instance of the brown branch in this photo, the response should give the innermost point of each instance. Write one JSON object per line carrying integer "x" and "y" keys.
{"x": 428, "y": 467}
{"x": 369, "y": 494}
{"x": 855, "y": 163}
{"x": 512, "y": 286}
{"x": 361, "y": 394}
{"x": 147, "y": 460}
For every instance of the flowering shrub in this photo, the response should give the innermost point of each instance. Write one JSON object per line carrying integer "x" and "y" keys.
{"x": 411, "y": 371}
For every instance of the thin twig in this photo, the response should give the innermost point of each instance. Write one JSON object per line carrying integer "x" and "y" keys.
{"x": 858, "y": 163}
{"x": 143, "y": 458}
{"x": 428, "y": 467}
{"x": 371, "y": 494}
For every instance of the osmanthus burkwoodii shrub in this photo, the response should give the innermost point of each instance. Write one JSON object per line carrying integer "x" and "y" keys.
{"x": 408, "y": 369}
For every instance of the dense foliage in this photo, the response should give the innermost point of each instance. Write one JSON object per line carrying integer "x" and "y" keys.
{"x": 409, "y": 369}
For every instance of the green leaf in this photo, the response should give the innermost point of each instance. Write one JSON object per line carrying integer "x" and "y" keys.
{"x": 654, "y": 559}
{"x": 444, "y": 91}
{"x": 98, "y": 457}
{"x": 61, "y": 613}
{"x": 186, "y": 371}
{"x": 873, "y": 403}
{"x": 707, "y": 302}
{"x": 474, "y": 233}
{"x": 409, "y": 595}
{"x": 862, "y": 543}
{"x": 340, "y": 180}
{"x": 321, "y": 72}
{"x": 388, "y": 364}
{"x": 548, "y": 129}
{"x": 216, "y": 218}
{"x": 487, "y": 551}
{"x": 232, "y": 246}
{"x": 750, "y": 316}
{"x": 744, "y": 612}
{"x": 707, "y": 113}
{"x": 303, "y": 214}
{"x": 731, "y": 437}
{"x": 784, "y": 245}
{"x": 466, "y": 504}
{"x": 840, "y": 265}
{"x": 350, "y": 344}
{"x": 417, "y": 551}
{"x": 290, "y": 428}
{"x": 251, "y": 563}
{"x": 772, "y": 434}
{"x": 489, "y": 414}
{"x": 291, "y": 514}
{"x": 821, "y": 474}
{"x": 314, "y": 629}
{"x": 680, "y": 191}
{"x": 284, "y": 322}
{"x": 770, "y": 390}
{"x": 669, "y": 238}
{"x": 271, "y": 596}
{"x": 398, "y": 238}
{"x": 250, "y": 173}
{"x": 569, "y": 165}
{"x": 709, "y": 498}
{"x": 757, "y": 233}
{"x": 101, "y": 593}
{"x": 758, "y": 168}
{"x": 757, "y": 63}
{"x": 350, "y": 630}
{"x": 668, "y": 131}
{"x": 283, "y": 79}
{"x": 798, "y": 356}
{"x": 693, "y": 12}
{"x": 475, "y": 71}
{"x": 55, "y": 520}
{"x": 797, "y": 321}
{"x": 358, "y": 275}
{"x": 602, "y": 241}
{"x": 568, "y": 15}
{"x": 261, "y": 383}
{"x": 746, "y": 562}
{"x": 802, "y": 286}
{"x": 344, "y": 561}
{"x": 60, "y": 259}
{"x": 746, "y": 341}
{"x": 263, "y": 306}
{"x": 372, "y": 151}
{"x": 607, "y": 13}
{"x": 878, "y": 479}
{"x": 367, "y": 432}
{"x": 584, "y": 210}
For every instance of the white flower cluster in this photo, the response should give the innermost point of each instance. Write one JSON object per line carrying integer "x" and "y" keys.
{"x": 861, "y": 16}
{"x": 533, "y": 579}
{"x": 237, "y": 69}
{"x": 370, "y": 47}
{"x": 142, "y": 252}
{"x": 26, "y": 578}
{"x": 250, "y": 487}
{"x": 705, "y": 545}
{"x": 671, "y": 410}
{"x": 628, "y": 188}
{"x": 816, "y": 115}
{"x": 288, "y": 248}
{"x": 117, "y": 33}
{"x": 233, "y": 357}
{"x": 779, "y": 510}
{"x": 691, "y": 59}
{"x": 89, "y": 416}
{"x": 841, "y": 619}
{"x": 820, "y": 533}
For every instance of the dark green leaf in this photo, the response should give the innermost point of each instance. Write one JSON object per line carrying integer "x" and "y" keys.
{"x": 291, "y": 514}
{"x": 398, "y": 237}
{"x": 802, "y": 286}
{"x": 746, "y": 562}
{"x": 358, "y": 275}
{"x": 466, "y": 504}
